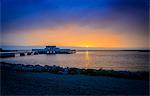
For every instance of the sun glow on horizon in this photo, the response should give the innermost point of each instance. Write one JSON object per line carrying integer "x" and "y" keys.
{"x": 87, "y": 46}
{"x": 77, "y": 36}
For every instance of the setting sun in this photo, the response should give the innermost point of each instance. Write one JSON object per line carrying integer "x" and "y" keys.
{"x": 87, "y": 46}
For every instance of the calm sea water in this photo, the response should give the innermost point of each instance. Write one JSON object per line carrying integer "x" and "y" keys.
{"x": 116, "y": 60}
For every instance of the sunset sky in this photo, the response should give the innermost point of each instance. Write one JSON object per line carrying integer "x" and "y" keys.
{"x": 76, "y": 23}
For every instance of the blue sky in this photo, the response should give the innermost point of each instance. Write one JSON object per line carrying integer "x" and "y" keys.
{"x": 124, "y": 18}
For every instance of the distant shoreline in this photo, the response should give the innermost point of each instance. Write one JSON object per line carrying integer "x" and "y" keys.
{"x": 139, "y": 75}
{"x": 117, "y": 50}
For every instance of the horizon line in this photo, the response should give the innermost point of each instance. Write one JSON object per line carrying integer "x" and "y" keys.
{"x": 85, "y": 48}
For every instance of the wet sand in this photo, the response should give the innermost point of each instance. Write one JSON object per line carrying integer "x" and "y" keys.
{"x": 32, "y": 83}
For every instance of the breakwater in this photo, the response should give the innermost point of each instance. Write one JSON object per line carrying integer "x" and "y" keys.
{"x": 73, "y": 71}
{"x": 17, "y": 53}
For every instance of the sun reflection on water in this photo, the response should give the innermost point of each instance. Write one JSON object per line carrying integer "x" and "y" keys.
{"x": 87, "y": 59}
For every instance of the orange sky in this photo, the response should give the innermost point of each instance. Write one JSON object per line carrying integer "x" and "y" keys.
{"x": 76, "y": 36}
{"x": 76, "y": 23}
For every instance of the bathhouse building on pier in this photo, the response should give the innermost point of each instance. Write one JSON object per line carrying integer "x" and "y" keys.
{"x": 53, "y": 50}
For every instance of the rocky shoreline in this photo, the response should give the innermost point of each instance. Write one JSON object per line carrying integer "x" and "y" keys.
{"x": 60, "y": 70}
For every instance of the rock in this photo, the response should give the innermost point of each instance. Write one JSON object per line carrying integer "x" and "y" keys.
{"x": 28, "y": 68}
{"x": 65, "y": 71}
{"x": 48, "y": 68}
{"x": 17, "y": 67}
{"x": 38, "y": 68}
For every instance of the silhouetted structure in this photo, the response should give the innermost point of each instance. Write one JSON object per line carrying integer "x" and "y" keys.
{"x": 54, "y": 50}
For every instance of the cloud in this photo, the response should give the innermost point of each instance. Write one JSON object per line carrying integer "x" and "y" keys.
{"x": 122, "y": 17}
{"x": 31, "y": 14}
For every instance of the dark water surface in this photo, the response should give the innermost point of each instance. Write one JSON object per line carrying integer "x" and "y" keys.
{"x": 116, "y": 60}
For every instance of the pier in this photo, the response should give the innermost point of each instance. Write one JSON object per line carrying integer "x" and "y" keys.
{"x": 17, "y": 53}
{"x": 48, "y": 50}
